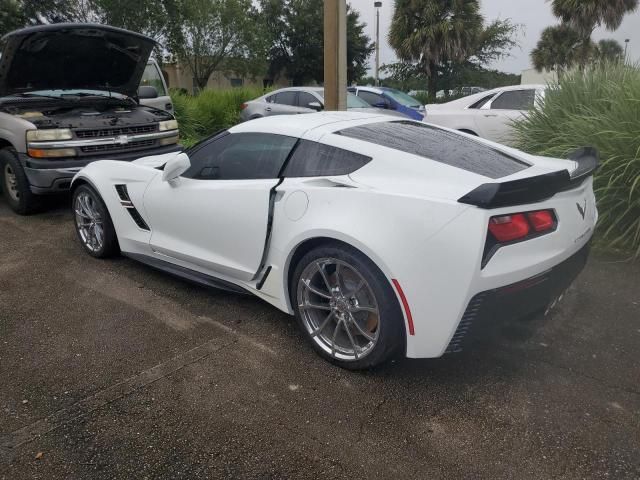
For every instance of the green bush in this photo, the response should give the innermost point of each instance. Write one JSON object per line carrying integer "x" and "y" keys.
{"x": 599, "y": 107}
{"x": 210, "y": 111}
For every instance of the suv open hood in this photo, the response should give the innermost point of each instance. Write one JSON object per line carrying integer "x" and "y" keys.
{"x": 73, "y": 56}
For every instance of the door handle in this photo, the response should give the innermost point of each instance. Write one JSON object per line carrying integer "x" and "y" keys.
{"x": 489, "y": 115}
{"x": 268, "y": 109}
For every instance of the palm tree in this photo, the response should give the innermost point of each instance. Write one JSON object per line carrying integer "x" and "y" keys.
{"x": 434, "y": 32}
{"x": 559, "y": 48}
{"x": 586, "y": 15}
{"x": 609, "y": 50}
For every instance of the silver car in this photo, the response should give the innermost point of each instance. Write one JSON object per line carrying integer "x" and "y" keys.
{"x": 296, "y": 100}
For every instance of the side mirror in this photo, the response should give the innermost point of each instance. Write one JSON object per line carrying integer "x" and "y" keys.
{"x": 381, "y": 105}
{"x": 147, "y": 92}
{"x": 317, "y": 106}
{"x": 176, "y": 167}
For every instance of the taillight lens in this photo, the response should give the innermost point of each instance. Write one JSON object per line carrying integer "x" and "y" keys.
{"x": 542, "y": 220}
{"x": 508, "y": 228}
{"x": 243, "y": 106}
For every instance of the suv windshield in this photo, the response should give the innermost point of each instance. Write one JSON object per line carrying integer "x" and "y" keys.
{"x": 402, "y": 98}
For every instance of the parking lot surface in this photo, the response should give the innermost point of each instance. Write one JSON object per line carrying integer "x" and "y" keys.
{"x": 109, "y": 369}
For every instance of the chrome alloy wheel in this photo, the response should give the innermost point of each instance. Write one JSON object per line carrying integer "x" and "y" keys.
{"x": 11, "y": 183}
{"x": 89, "y": 221}
{"x": 338, "y": 309}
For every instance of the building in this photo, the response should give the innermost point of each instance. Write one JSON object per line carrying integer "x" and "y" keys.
{"x": 534, "y": 77}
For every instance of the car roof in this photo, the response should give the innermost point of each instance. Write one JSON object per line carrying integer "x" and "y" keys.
{"x": 471, "y": 99}
{"x": 300, "y": 125}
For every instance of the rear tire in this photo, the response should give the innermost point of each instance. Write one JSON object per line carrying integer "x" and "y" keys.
{"x": 346, "y": 307}
{"x": 93, "y": 223}
{"x": 15, "y": 185}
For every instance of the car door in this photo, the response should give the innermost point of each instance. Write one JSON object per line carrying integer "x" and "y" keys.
{"x": 306, "y": 99}
{"x": 153, "y": 77}
{"x": 374, "y": 99}
{"x": 494, "y": 120}
{"x": 215, "y": 216}
{"x": 282, "y": 103}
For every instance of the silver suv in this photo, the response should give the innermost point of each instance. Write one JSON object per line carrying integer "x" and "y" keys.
{"x": 69, "y": 96}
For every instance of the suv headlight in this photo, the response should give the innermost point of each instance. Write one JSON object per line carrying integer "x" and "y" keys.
{"x": 168, "y": 125}
{"x": 48, "y": 135}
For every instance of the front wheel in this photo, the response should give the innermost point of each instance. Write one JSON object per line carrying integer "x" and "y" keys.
{"x": 15, "y": 184}
{"x": 346, "y": 307}
{"x": 93, "y": 224}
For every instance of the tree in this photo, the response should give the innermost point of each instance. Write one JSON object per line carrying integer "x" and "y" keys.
{"x": 11, "y": 16}
{"x": 212, "y": 35}
{"x": 585, "y": 15}
{"x": 559, "y": 48}
{"x": 296, "y": 41}
{"x": 609, "y": 50}
{"x": 431, "y": 33}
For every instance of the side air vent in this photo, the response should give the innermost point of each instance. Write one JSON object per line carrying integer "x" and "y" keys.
{"x": 126, "y": 202}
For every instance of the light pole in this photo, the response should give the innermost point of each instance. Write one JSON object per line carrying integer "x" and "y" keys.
{"x": 377, "y": 5}
{"x": 335, "y": 54}
{"x": 626, "y": 44}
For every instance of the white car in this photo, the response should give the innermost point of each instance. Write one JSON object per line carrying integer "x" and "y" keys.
{"x": 488, "y": 114}
{"x": 382, "y": 236}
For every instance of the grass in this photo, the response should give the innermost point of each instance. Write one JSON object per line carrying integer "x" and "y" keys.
{"x": 210, "y": 111}
{"x": 598, "y": 107}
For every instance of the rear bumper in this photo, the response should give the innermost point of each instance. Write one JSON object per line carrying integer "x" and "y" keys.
{"x": 490, "y": 311}
{"x": 52, "y": 176}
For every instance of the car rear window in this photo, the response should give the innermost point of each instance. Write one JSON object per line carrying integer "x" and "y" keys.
{"x": 439, "y": 145}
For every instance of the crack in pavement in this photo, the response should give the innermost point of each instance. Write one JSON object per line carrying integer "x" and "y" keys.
{"x": 13, "y": 440}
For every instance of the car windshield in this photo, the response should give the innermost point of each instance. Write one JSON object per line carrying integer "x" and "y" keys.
{"x": 402, "y": 98}
{"x": 352, "y": 101}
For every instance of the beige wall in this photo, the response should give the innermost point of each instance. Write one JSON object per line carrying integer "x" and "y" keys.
{"x": 179, "y": 76}
{"x": 533, "y": 77}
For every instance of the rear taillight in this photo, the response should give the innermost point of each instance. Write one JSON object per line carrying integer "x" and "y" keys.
{"x": 243, "y": 106}
{"x": 517, "y": 227}
{"x": 520, "y": 226}
{"x": 508, "y": 228}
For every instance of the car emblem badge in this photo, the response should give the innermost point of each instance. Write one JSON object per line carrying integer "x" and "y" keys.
{"x": 122, "y": 140}
{"x": 581, "y": 209}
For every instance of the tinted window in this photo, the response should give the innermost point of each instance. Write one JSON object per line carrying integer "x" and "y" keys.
{"x": 286, "y": 98}
{"x": 371, "y": 98}
{"x": 439, "y": 145}
{"x": 483, "y": 101}
{"x": 241, "y": 156}
{"x": 271, "y": 99}
{"x": 313, "y": 159}
{"x": 304, "y": 99}
{"x": 516, "y": 100}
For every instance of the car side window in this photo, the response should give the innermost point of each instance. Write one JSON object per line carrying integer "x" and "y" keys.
{"x": 304, "y": 99}
{"x": 287, "y": 98}
{"x": 482, "y": 102}
{"x": 312, "y": 159}
{"x": 372, "y": 98}
{"x": 241, "y": 156}
{"x": 515, "y": 100}
{"x": 272, "y": 98}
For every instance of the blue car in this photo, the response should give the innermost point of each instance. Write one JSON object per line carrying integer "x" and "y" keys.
{"x": 391, "y": 99}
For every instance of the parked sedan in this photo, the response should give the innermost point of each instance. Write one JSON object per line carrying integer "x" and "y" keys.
{"x": 390, "y": 99}
{"x": 296, "y": 100}
{"x": 489, "y": 114}
{"x": 382, "y": 236}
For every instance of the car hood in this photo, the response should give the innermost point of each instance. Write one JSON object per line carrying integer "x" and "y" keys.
{"x": 73, "y": 56}
{"x": 380, "y": 111}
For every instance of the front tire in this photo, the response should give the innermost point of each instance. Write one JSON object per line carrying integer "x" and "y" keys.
{"x": 93, "y": 223}
{"x": 346, "y": 307}
{"x": 15, "y": 185}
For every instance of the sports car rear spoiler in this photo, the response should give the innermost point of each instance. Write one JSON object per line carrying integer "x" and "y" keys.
{"x": 535, "y": 189}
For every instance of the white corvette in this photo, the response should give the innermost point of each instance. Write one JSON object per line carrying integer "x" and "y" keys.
{"x": 382, "y": 236}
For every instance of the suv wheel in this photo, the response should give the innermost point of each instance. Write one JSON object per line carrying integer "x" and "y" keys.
{"x": 15, "y": 185}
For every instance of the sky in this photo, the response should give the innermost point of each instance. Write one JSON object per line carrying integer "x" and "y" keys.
{"x": 532, "y": 15}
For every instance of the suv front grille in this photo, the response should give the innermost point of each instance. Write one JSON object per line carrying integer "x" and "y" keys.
{"x": 114, "y": 132}
{"x": 117, "y": 147}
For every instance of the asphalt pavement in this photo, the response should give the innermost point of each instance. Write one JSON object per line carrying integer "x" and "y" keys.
{"x": 110, "y": 369}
